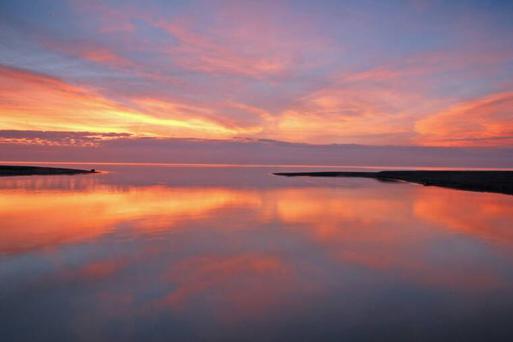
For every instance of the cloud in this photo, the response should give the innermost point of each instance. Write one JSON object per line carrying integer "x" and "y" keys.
{"x": 247, "y": 40}
{"x": 266, "y": 69}
{"x": 482, "y": 121}
{"x": 56, "y": 138}
{"x": 374, "y": 106}
{"x": 33, "y": 101}
{"x": 203, "y": 55}
{"x": 382, "y": 104}
{"x": 89, "y": 51}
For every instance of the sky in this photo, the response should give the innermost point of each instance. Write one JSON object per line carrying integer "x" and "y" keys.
{"x": 418, "y": 73}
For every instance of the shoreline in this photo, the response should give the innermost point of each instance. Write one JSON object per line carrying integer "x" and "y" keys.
{"x": 481, "y": 181}
{"x": 18, "y": 170}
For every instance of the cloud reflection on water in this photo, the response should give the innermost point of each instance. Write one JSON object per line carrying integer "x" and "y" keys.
{"x": 215, "y": 253}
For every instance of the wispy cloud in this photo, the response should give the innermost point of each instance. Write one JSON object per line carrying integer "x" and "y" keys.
{"x": 247, "y": 40}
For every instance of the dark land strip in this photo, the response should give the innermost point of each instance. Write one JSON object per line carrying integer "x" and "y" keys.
{"x": 15, "y": 170}
{"x": 485, "y": 181}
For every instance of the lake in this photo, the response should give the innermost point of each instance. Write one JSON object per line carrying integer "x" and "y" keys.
{"x": 181, "y": 253}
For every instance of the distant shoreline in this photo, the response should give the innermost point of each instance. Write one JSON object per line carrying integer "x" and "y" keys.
{"x": 483, "y": 181}
{"x": 17, "y": 170}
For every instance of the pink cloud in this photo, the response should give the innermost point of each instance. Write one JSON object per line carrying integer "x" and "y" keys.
{"x": 244, "y": 40}
{"x": 89, "y": 51}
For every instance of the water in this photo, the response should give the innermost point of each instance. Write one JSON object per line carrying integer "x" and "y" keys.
{"x": 160, "y": 253}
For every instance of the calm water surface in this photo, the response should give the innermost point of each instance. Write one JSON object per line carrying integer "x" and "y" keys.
{"x": 186, "y": 254}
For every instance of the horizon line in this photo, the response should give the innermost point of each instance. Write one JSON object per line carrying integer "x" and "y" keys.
{"x": 235, "y": 165}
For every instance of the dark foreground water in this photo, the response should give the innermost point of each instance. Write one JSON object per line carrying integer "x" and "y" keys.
{"x": 186, "y": 254}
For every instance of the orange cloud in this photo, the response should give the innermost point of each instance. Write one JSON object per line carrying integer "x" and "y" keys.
{"x": 357, "y": 108}
{"x": 486, "y": 121}
{"x": 31, "y": 101}
{"x": 394, "y": 102}
{"x": 200, "y": 116}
